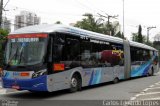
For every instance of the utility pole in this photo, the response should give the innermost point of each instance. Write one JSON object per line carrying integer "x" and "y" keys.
{"x": 108, "y": 17}
{"x": 148, "y": 29}
{"x": 1, "y": 12}
{"x": 123, "y": 20}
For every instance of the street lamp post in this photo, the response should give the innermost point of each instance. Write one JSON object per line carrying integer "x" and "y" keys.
{"x": 148, "y": 29}
{"x": 1, "y": 12}
{"x": 123, "y": 19}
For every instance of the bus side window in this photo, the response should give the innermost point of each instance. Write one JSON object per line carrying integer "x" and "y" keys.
{"x": 58, "y": 44}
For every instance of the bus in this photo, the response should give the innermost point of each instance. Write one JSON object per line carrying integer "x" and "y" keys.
{"x": 56, "y": 57}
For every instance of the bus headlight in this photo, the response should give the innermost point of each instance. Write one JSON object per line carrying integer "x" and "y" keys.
{"x": 39, "y": 73}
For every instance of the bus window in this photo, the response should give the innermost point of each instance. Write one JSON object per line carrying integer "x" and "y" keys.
{"x": 66, "y": 50}
{"x": 139, "y": 56}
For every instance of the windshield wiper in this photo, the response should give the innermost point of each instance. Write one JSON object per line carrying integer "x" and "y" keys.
{"x": 10, "y": 59}
{"x": 20, "y": 56}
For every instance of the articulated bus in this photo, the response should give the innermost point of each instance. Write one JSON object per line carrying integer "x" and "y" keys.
{"x": 56, "y": 57}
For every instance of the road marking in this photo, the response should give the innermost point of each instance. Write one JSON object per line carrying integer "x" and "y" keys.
{"x": 145, "y": 89}
{"x": 150, "y": 93}
{"x": 133, "y": 98}
{"x": 157, "y": 83}
{"x": 158, "y": 72}
{"x": 158, "y": 98}
{"x": 151, "y": 86}
{"x": 147, "y": 93}
{"x": 151, "y": 89}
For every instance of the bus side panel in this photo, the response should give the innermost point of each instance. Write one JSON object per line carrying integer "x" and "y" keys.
{"x": 94, "y": 76}
{"x": 119, "y": 72}
{"x": 140, "y": 70}
{"x": 143, "y": 69}
{"x": 61, "y": 80}
{"x": 90, "y": 76}
{"x": 156, "y": 66}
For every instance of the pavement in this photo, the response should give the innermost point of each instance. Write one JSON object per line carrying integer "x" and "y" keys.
{"x": 2, "y": 90}
{"x": 5, "y": 91}
{"x": 152, "y": 92}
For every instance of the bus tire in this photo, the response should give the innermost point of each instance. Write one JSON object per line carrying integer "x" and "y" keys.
{"x": 116, "y": 80}
{"x": 75, "y": 84}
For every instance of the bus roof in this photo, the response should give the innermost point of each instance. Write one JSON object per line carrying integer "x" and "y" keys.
{"x": 50, "y": 28}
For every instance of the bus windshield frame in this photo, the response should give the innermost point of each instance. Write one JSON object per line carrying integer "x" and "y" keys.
{"x": 25, "y": 49}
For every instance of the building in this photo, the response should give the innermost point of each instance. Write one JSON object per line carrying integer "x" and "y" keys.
{"x": 6, "y": 24}
{"x": 26, "y": 19}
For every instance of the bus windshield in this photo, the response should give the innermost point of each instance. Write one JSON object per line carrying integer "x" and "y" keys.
{"x": 25, "y": 51}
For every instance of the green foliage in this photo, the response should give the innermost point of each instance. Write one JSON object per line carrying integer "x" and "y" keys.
{"x": 120, "y": 35}
{"x": 90, "y": 23}
{"x": 149, "y": 43}
{"x": 58, "y": 22}
{"x": 136, "y": 38}
{"x": 3, "y": 37}
{"x": 140, "y": 37}
{"x": 97, "y": 25}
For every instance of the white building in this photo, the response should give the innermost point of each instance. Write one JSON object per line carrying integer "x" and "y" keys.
{"x": 26, "y": 19}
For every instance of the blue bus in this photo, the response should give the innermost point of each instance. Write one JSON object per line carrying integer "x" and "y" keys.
{"x": 56, "y": 57}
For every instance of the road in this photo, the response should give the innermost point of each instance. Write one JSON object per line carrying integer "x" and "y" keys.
{"x": 124, "y": 90}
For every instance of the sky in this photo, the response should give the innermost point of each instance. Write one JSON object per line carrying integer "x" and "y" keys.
{"x": 136, "y": 12}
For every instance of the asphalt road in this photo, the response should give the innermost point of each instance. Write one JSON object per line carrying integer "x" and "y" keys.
{"x": 124, "y": 90}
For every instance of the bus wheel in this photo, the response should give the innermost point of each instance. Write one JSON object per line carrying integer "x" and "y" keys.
{"x": 116, "y": 80}
{"x": 75, "y": 81}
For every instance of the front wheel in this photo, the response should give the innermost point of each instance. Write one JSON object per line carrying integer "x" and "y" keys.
{"x": 75, "y": 83}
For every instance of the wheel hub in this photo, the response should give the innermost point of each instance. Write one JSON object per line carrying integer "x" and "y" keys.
{"x": 74, "y": 82}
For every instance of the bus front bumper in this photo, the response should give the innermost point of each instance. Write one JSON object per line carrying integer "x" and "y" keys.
{"x": 35, "y": 84}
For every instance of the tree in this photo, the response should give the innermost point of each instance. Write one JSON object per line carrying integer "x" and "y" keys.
{"x": 119, "y": 35}
{"x": 135, "y": 38}
{"x": 140, "y": 38}
{"x": 3, "y": 37}
{"x": 90, "y": 23}
{"x": 58, "y": 22}
{"x": 97, "y": 25}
